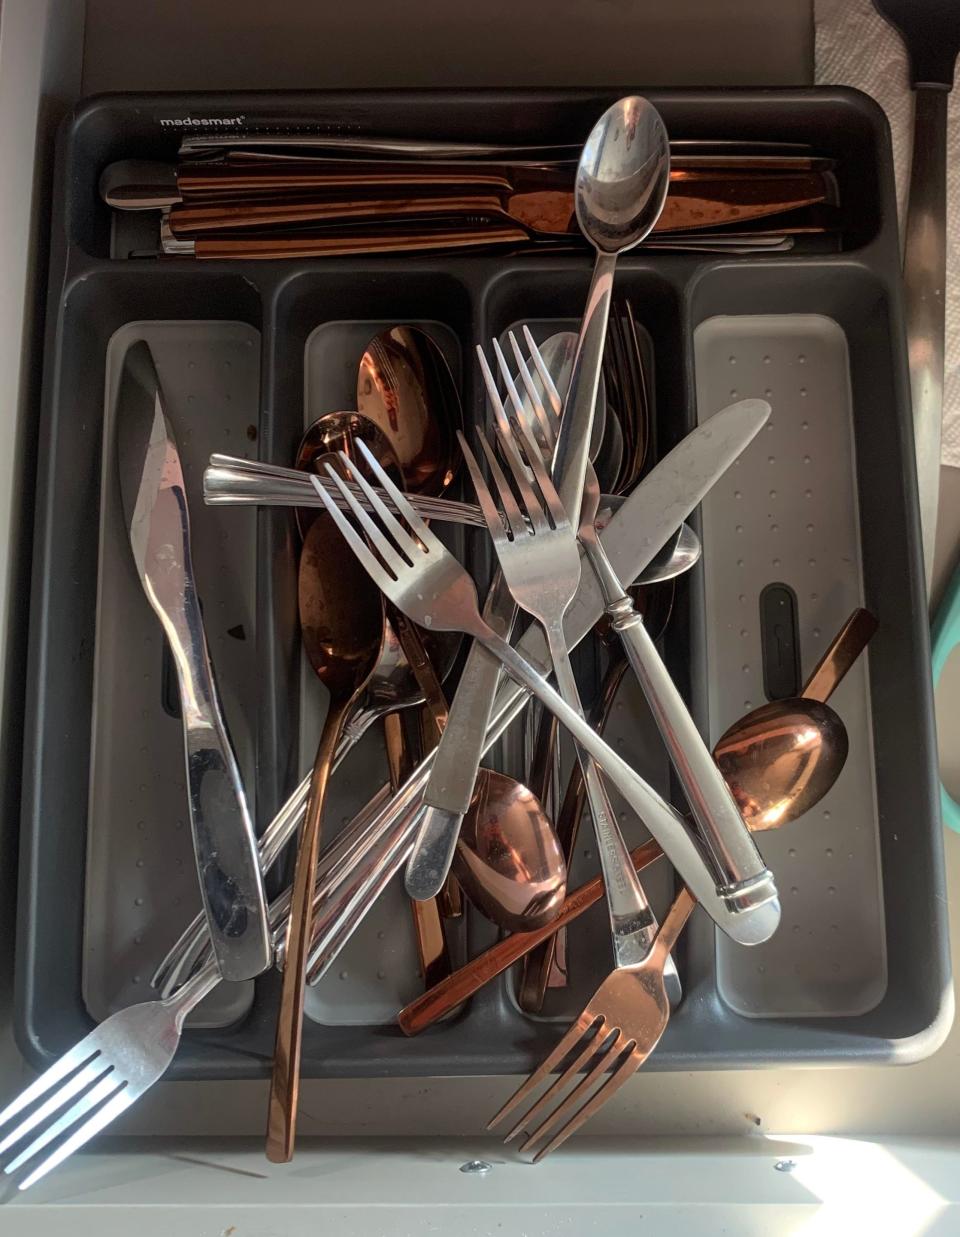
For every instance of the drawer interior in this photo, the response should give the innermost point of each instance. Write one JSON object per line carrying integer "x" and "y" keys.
{"x": 293, "y": 320}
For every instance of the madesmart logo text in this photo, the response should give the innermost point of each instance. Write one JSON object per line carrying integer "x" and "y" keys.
{"x": 201, "y": 122}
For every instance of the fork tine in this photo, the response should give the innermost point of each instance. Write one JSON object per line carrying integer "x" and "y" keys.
{"x": 547, "y": 488}
{"x": 554, "y": 1091}
{"x": 100, "y": 1120}
{"x": 374, "y": 569}
{"x": 104, "y": 1089}
{"x": 616, "y": 1050}
{"x": 511, "y": 512}
{"x": 490, "y": 513}
{"x": 416, "y": 522}
{"x": 501, "y": 420}
{"x": 547, "y": 425}
{"x": 80, "y": 1055}
{"x": 387, "y": 518}
{"x": 546, "y": 1066}
{"x": 549, "y": 386}
{"x": 89, "y": 1074}
{"x": 620, "y": 1075}
{"x": 493, "y": 395}
{"x": 394, "y": 562}
{"x": 507, "y": 377}
{"x": 508, "y": 448}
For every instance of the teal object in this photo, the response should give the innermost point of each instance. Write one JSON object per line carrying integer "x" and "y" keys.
{"x": 946, "y": 635}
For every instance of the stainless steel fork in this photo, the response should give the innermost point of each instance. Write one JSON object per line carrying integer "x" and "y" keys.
{"x": 541, "y": 565}
{"x": 747, "y": 882}
{"x": 423, "y": 579}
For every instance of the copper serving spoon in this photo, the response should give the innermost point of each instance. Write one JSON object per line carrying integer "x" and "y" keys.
{"x": 341, "y": 620}
{"x": 836, "y": 661}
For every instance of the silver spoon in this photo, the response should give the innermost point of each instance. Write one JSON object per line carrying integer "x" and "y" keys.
{"x": 620, "y": 188}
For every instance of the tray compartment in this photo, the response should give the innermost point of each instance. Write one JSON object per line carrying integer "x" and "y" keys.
{"x": 378, "y": 971}
{"x": 141, "y": 873}
{"x": 548, "y": 298}
{"x": 310, "y": 312}
{"x": 839, "y": 123}
{"x": 94, "y": 308}
{"x": 843, "y": 538}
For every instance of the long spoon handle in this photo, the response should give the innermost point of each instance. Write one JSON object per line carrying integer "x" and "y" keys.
{"x": 285, "y": 1080}
{"x": 843, "y": 650}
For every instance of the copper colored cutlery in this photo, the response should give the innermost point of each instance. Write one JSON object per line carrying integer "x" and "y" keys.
{"x": 257, "y": 204}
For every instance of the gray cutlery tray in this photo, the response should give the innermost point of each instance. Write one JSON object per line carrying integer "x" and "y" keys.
{"x": 77, "y": 923}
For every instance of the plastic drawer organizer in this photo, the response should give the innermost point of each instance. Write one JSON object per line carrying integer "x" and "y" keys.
{"x": 822, "y": 503}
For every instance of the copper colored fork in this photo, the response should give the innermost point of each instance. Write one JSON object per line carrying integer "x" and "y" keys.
{"x": 619, "y": 1028}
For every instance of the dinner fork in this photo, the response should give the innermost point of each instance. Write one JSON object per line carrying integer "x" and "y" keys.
{"x": 541, "y": 565}
{"x": 620, "y": 1026}
{"x": 746, "y": 879}
{"x": 424, "y": 580}
{"x": 93, "y": 1083}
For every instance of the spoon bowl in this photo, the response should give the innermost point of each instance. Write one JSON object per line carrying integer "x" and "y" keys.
{"x": 404, "y": 386}
{"x": 623, "y": 176}
{"x": 558, "y": 352}
{"x": 781, "y": 759}
{"x": 333, "y": 432}
{"x": 508, "y": 857}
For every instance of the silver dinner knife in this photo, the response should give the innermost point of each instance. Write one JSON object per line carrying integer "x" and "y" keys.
{"x": 657, "y": 507}
{"x": 158, "y": 523}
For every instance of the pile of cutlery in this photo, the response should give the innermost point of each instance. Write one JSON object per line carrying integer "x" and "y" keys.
{"x": 587, "y": 534}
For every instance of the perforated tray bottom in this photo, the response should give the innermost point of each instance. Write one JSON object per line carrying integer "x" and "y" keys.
{"x": 787, "y": 513}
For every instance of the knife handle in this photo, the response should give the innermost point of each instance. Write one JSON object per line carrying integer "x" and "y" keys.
{"x": 457, "y": 761}
{"x": 192, "y": 219}
{"x": 224, "y": 180}
{"x": 231, "y": 883}
{"x": 417, "y": 241}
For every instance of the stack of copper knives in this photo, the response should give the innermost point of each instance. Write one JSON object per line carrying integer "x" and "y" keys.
{"x": 271, "y": 202}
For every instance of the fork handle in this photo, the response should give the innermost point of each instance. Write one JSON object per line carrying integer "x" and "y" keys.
{"x": 673, "y": 924}
{"x": 456, "y": 762}
{"x": 734, "y": 852}
{"x": 632, "y": 923}
{"x": 747, "y": 926}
